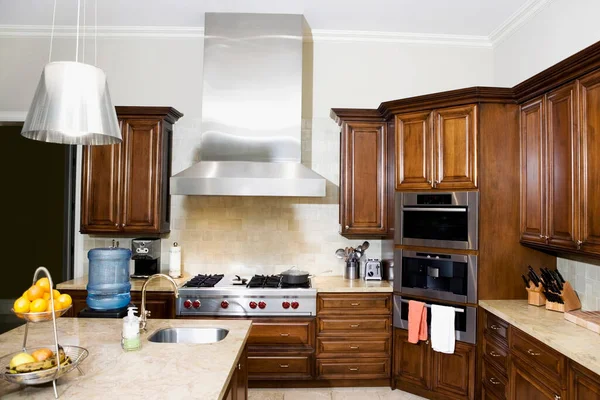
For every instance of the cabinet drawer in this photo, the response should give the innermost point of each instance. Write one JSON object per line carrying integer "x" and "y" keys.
{"x": 538, "y": 355}
{"x": 368, "y": 368}
{"x": 354, "y": 326}
{"x": 274, "y": 333}
{"x": 496, "y": 328}
{"x": 493, "y": 380}
{"x": 279, "y": 367}
{"x": 347, "y": 347}
{"x": 355, "y": 304}
{"x": 496, "y": 354}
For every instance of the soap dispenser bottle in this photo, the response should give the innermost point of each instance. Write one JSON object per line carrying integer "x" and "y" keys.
{"x": 130, "y": 338}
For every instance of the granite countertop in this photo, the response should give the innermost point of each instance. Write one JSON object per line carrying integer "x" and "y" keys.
{"x": 550, "y": 327}
{"x": 341, "y": 285}
{"x": 157, "y": 371}
{"x": 157, "y": 285}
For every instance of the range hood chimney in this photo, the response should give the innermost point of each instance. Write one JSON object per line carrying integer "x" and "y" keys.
{"x": 251, "y": 110}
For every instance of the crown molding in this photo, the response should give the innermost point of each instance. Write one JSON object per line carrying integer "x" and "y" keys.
{"x": 324, "y": 35}
{"x": 513, "y": 23}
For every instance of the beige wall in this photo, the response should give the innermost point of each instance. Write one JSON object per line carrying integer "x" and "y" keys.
{"x": 248, "y": 235}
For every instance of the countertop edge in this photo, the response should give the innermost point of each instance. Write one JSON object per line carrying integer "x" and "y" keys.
{"x": 528, "y": 329}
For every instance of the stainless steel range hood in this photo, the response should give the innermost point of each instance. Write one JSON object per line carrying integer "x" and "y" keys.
{"x": 251, "y": 110}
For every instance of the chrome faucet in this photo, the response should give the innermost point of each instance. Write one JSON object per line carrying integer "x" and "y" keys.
{"x": 144, "y": 314}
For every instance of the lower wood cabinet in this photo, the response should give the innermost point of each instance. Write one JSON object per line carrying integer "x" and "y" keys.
{"x": 527, "y": 383}
{"x": 419, "y": 369}
{"x": 160, "y": 304}
{"x": 238, "y": 385}
{"x": 353, "y": 368}
{"x": 583, "y": 383}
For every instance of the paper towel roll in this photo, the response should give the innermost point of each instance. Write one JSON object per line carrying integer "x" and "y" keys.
{"x": 175, "y": 261}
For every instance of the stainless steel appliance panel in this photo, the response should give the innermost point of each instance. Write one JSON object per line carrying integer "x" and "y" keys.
{"x": 444, "y": 220}
{"x": 465, "y": 322}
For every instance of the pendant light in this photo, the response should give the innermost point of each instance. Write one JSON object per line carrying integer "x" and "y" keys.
{"x": 72, "y": 104}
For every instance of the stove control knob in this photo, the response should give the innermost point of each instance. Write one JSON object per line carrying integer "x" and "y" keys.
{"x": 224, "y": 304}
{"x": 252, "y": 304}
{"x": 187, "y": 304}
{"x": 196, "y": 303}
{"x": 285, "y": 304}
{"x": 295, "y": 304}
{"x": 262, "y": 304}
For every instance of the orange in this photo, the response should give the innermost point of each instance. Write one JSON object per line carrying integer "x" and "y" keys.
{"x": 46, "y": 296}
{"x": 38, "y": 305}
{"x": 21, "y": 305}
{"x": 64, "y": 301}
{"x": 55, "y": 293}
{"x": 44, "y": 283}
{"x": 35, "y": 292}
{"x": 49, "y": 307}
{"x": 25, "y": 293}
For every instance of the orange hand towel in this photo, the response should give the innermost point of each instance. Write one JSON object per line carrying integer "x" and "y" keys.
{"x": 417, "y": 321}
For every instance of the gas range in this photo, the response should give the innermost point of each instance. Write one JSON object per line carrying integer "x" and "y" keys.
{"x": 259, "y": 296}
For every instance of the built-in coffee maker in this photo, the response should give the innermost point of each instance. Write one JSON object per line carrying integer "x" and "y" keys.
{"x": 145, "y": 253}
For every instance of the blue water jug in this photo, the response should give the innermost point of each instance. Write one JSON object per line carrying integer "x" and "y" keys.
{"x": 108, "y": 284}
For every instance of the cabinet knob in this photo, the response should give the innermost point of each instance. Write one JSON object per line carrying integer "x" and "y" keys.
{"x": 240, "y": 366}
{"x": 579, "y": 243}
{"x": 556, "y": 397}
{"x": 546, "y": 237}
{"x": 116, "y": 225}
{"x": 353, "y": 369}
{"x": 541, "y": 236}
{"x": 123, "y": 225}
{"x": 347, "y": 226}
{"x": 354, "y": 347}
{"x": 354, "y": 325}
{"x": 494, "y": 381}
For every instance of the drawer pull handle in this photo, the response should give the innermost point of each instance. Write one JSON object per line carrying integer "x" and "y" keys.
{"x": 354, "y": 325}
{"x": 532, "y": 353}
{"x": 354, "y": 347}
{"x": 557, "y": 397}
{"x": 284, "y": 365}
{"x": 353, "y": 369}
{"x": 494, "y": 327}
{"x": 494, "y": 354}
{"x": 284, "y": 334}
{"x": 494, "y": 381}
{"x": 355, "y": 304}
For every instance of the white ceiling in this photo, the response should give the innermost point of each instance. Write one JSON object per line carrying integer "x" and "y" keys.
{"x": 449, "y": 17}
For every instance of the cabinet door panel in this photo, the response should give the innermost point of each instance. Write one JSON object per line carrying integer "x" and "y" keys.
{"x": 533, "y": 172}
{"x": 414, "y": 151}
{"x": 583, "y": 384}
{"x": 455, "y": 148}
{"x": 562, "y": 131}
{"x": 454, "y": 374}
{"x": 526, "y": 383}
{"x": 589, "y": 100}
{"x": 100, "y": 193}
{"x": 412, "y": 363}
{"x": 141, "y": 175}
{"x": 364, "y": 178}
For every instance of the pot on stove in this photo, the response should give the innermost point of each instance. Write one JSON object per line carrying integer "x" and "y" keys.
{"x": 294, "y": 277}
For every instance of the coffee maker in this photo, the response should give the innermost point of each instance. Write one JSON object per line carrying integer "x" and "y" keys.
{"x": 145, "y": 253}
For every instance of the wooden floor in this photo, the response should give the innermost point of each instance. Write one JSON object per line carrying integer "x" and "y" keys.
{"x": 383, "y": 393}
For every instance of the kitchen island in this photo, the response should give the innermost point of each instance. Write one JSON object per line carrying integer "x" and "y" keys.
{"x": 157, "y": 371}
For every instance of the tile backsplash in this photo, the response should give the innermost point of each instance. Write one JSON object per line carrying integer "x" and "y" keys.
{"x": 585, "y": 279}
{"x": 265, "y": 235}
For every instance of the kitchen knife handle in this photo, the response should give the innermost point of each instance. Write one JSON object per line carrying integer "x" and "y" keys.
{"x": 533, "y": 353}
{"x": 494, "y": 381}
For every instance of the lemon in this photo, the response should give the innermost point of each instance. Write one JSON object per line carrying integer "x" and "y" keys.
{"x": 64, "y": 300}
{"x": 21, "y": 305}
{"x": 19, "y": 359}
{"x": 44, "y": 283}
{"x": 38, "y": 305}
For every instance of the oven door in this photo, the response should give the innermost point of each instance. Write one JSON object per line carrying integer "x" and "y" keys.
{"x": 464, "y": 322}
{"x": 440, "y": 276}
{"x": 444, "y": 220}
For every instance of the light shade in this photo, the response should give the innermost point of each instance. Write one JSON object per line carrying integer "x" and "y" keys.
{"x": 72, "y": 106}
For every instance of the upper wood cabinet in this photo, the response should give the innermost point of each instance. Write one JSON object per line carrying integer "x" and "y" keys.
{"x": 363, "y": 179}
{"x": 437, "y": 149}
{"x": 125, "y": 187}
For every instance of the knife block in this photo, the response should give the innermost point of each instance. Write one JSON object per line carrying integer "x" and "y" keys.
{"x": 535, "y": 297}
{"x": 570, "y": 300}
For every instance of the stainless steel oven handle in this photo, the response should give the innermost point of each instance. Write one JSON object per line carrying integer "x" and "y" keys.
{"x": 435, "y": 209}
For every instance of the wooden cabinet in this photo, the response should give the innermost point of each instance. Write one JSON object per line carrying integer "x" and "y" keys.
{"x": 437, "y": 149}
{"x": 160, "y": 304}
{"x": 238, "y": 384}
{"x": 281, "y": 349}
{"x": 419, "y": 369}
{"x": 354, "y": 337}
{"x": 363, "y": 179}
{"x": 583, "y": 384}
{"x": 527, "y": 383}
{"x": 125, "y": 187}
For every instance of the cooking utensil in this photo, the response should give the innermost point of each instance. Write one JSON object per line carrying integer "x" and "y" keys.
{"x": 294, "y": 277}
{"x": 340, "y": 253}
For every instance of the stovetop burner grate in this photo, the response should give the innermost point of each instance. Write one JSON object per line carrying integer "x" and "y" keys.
{"x": 265, "y": 281}
{"x": 203, "y": 281}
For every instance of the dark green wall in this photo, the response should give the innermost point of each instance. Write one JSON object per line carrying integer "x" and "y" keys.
{"x": 32, "y": 178}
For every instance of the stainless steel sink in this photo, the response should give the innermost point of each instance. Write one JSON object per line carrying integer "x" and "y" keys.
{"x": 188, "y": 335}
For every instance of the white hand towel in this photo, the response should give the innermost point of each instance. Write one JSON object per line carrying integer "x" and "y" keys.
{"x": 442, "y": 329}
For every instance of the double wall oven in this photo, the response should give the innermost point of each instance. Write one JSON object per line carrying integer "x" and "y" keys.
{"x": 432, "y": 265}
